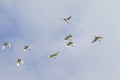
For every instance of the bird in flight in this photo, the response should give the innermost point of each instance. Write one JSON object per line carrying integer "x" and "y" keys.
{"x": 97, "y": 38}
{"x": 67, "y": 19}
{"x": 53, "y": 55}
{"x": 26, "y": 48}
{"x": 69, "y": 44}
{"x": 68, "y": 37}
{"x": 19, "y": 61}
{"x": 5, "y": 45}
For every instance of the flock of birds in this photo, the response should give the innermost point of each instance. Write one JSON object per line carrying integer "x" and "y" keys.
{"x": 70, "y": 42}
{"x": 53, "y": 55}
{"x": 20, "y": 60}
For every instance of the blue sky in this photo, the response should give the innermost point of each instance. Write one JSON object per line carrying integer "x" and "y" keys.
{"x": 39, "y": 23}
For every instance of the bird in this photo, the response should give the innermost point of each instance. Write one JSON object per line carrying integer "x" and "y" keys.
{"x": 96, "y": 38}
{"x": 19, "y": 61}
{"x": 5, "y": 45}
{"x": 26, "y": 48}
{"x": 67, "y": 19}
{"x": 68, "y": 37}
{"x": 70, "y": 44}
{"x": 53, "y": 55}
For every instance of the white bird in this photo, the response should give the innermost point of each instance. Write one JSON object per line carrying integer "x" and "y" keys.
{"x": 53, "y": 55}
{"x": 97, "y": 38}
{"x": 5, "y": 45}
{"x": 69, "y": 44}
{"x": 19, "y": 61}
{"x": 67, "y": 19}
{"x": 26, "y": 48}
{"x": 68, "y": 37}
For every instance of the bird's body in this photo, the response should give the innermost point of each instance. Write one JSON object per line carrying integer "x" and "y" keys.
{"x": 67, "y": 19}
{"x": 68, "y": 37}
{"x": 26, "y": 48}
{"x": 69, "y": 44}
{"x": 19, "y": 61}
{"x": 97, "y": 38}
{"x": 5, "y": 45}
{"x": 53, "y": 55}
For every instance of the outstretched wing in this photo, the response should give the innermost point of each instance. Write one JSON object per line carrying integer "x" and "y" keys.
{"x": 53, "y": 55}
{"x": 65, "y": 20}
{"x": 68, "y": 18}
{"x": 94, "y": 40}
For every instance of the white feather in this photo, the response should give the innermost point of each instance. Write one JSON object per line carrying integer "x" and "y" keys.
{"x": 18, "y": 64}
{"x": 3, "y": 47}
{"x": 24, "y": 50}
{"x": 9, "y": 45}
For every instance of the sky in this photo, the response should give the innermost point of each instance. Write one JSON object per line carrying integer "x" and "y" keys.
{"x": 39, "y": 23}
